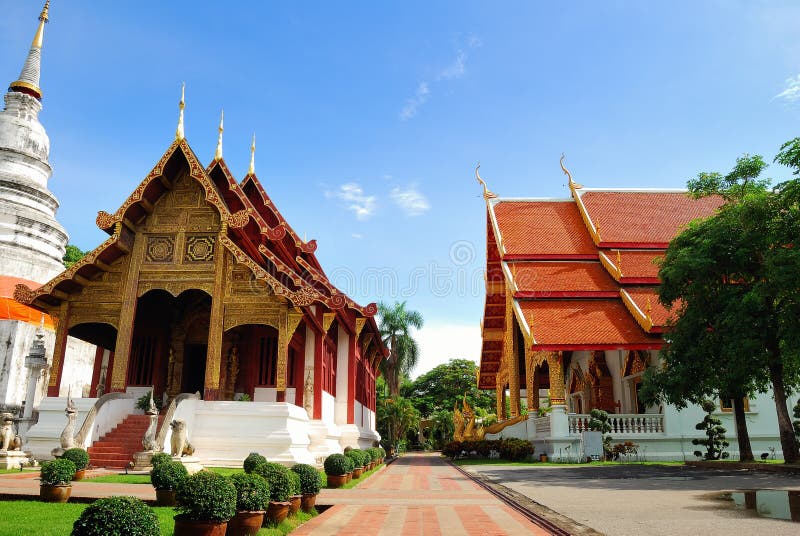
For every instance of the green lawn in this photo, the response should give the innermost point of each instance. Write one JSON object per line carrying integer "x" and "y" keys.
{"x": 24, "y": 518}
{"x": 471, "y": 461}
{"x": 145, "y": 479}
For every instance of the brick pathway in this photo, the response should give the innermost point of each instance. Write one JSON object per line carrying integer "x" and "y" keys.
{"x": 417, "y": 494}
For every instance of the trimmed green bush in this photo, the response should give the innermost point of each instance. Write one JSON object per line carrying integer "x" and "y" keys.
{"x": 294, "y": 484}
{"x": 253, "y": 459}
{"x": 58, "y": 472}
{"x": 310, "y": 479}
{"x": 168, "y": 475}
{"x": 336, "y": 464}
{"x": 120, "y": 516}
{"x": 252, "y": 492}
{"x": 374, "y": 454}
{"x": 159, "y": 458}
{"x": 383, "y": 452}
{"x": 206, "y": 496}
{"x": 77, "y": 456}
{"x": 277, "y": 477}
{"x": 358, "y": 457}
{"x": 350, "y": 463}
{"x": 509, "y": 449}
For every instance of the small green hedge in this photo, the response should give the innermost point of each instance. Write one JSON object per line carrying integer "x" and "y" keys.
{"x": 252, "y": 492}
{"x": 509, "y": 449}
{"x": 277, "y": 477}
{"x": 337, "y": 464}
{"x": 294, "y": 484}
{"x": 253, "y": 459}
{"x": 58, "y": 472}
{"x": 310, "y": 479}
{"x": 159, "y": 458}
{"x": 168, "y": 475}
{"x": 206, "y": 496}
{"x": 374, "y": 453}
{"x": 359, "y": 457}
{"x": 120, "y": 516}
{"x": 77, "y": 456}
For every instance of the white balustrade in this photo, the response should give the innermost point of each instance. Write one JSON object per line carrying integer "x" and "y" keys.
{"x": 644, "y": 424}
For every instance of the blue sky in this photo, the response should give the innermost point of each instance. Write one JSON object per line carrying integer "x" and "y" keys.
{"x": 371, "y": 116}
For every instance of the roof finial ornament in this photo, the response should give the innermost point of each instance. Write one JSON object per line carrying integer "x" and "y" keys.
{"x": 486, "y": 193}
{"x": 648, "y": 308}
{"x": 179, "y": 133}
{"x": 252, "y": 170}
{"x": 619, "y": 262}
{"x": 218, "y": 154}
{"x": 28, "y": 81}
{"x": 572, "y": 183}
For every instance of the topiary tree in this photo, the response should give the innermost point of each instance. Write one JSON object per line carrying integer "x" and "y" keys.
{"x": 599, "y": 421}
{"x": 336, "y": 464}
{"x": 714, "y": 441}
{"x": 252, "y": 492}
{"x": 206, "y": 496}
{"x": 58, "y": 472}
{"x": 120, "y": 516}
{"x": 77, "y": 456}
{"x": 374, "y": 454}
{"x": 277, "y": 477}
{"x": 168, "y": 475}
{"x": 159, "y": 458}
{"x": 253, "y": 459}
{"x": 357, "y": 456}
{"x": 310, "y": 479}
{"x": 294, "y": 484}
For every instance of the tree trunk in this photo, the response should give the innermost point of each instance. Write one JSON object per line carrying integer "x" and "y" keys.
{"x": 742, "y": 435}
{"x": 785, "y": 428}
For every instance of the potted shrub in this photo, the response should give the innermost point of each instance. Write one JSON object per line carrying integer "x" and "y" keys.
{"x": 253, "y": 459}
{"x": 358, "y": 460}
{"x": 336, "y": 467}
{"x": 252, "y": 499}
{"x": 206, "y": 501}
{"x": 117, "y": 515}
{"x": 295, "y": 495}
{"x": 167, "y": 477}
{"x": 310, "y": 484}
{"x": 81, "y": 460}
{"x": 277, "y": 477}
{"x": 160, "y": 457}
{"x": 383, "y": 454}
{"x": 350, "y": 467}
{"x": 56, "y": 480}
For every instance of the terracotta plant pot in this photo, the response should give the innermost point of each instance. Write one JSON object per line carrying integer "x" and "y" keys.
{"x": 245, "y": 523}
{"x": 357, "y": 472}
{"x": 350, "y": 476}
{"x": 294, "y": 504}
{"x": 165, "y": 497}
{"x": 276, "y": 513}
{"x": 543, "y": 458}
{"x": 79, "y": 474}
{"x": 56, "y": 494}
{"x": 185, "y": 527}
{"x": 336, "y": 481}
{"x": 307, "y": 503}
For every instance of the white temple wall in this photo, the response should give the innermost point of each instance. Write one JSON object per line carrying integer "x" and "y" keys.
{"x": 328, "y": 408}
{"x": 342, "y": 376}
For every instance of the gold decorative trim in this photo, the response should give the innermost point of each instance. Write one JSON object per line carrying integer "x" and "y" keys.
{"x": 327, "y": 320}
{"x": 487, "y": 194}
{"x": 642, "y": 318}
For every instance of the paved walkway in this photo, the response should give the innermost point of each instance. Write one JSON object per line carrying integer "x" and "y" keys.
{"x": 417, "y": 494}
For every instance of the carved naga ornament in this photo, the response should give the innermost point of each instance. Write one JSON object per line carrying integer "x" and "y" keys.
{"x": 466, "y": 428}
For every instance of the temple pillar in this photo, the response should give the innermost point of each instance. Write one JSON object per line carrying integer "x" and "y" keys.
{"x": 510, "y": 356}
{"x": 531, "y": 380}
{"x": 309, "y": 387}
{"x": 342, "y": 375}
{"x": 60, "y": 349}
{"x": 559, "y": 422}
{"x": 214, "y": 361}
{"x": 319, "y": 346}
{"x": 127, "y": 316}
{"x": 288, "y": 326}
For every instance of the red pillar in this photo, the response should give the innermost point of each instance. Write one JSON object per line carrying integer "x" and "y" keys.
{"x": 352, "y": 374}
{"x": 319, "y": 343}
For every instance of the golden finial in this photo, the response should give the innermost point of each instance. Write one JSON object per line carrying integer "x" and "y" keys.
{"x": 486, "y": 193}
{"x": 179, "y": 134}
{"x": 648, "y": 309}
{"x": 218, "y": 154}
{"x": 597, "y": 230}
{"x": 252, "y": 170}
{"x": 619, "y": 262}
{"x": 572, "y": 183}
{"x": 38, "y": 38}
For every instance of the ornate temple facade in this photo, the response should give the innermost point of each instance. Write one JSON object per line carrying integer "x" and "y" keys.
{"x": 31, "y": 239}
{"x": 572, "y": 318}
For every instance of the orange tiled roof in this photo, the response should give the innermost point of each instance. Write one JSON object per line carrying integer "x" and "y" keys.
{"x": 584, "y": 324}
{"x": 641, "y": 296}
{"x": 532, "y": 229}
{"x": 543, "y": 279}
{"x": 632, "y": 265}
{"x": 643, "y": 217}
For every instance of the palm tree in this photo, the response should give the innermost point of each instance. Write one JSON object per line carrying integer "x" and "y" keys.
{"x": 396, "y": 324}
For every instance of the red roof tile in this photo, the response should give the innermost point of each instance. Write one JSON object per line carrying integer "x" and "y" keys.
{"x": 579, "y": 324}
{"x": 529, "y": 229}
{"x": 644, "y": 217}
{"x": 635, "y": 264}
{"x": 540, "y": 279}
{"x": 641, "y": 296}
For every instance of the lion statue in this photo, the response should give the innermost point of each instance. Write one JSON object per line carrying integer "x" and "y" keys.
{"x": 9, "y": 440}
{"x": 179, "y": 444}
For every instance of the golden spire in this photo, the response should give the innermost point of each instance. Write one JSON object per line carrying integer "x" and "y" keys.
{"x": 252, "y": 170}
{"x": 179, "y": 133}
{"x": 572, "y": 183}
{"x": 38, "y": 39}
{"x": 218, "y": 155}
{"x": 28, "y": 81}
{"x": 486, "y": 193}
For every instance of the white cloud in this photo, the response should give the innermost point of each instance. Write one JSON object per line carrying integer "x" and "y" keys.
{"x": 419, "y": 98}
{"x": 357, "y": 236}
{"x": 410, "y": 200}
{"x": 456, "y": 69}
{"x": 362, "y": 205}
{"x": 792, "y": 91}
{"x": 441, "y": 342}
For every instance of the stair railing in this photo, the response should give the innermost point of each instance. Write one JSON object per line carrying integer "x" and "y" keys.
{"x": 173, "y": 406}
{"x": 85, "y": 433}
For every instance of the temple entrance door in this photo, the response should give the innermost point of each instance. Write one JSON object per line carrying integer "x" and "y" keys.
{"x": 194, "y": 368}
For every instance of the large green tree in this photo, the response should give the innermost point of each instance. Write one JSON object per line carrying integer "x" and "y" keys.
{"x": 395, "y": 417}
{"x": 395, "y": 326}
{"x": 726, "y": 278}
{"x": 72, "y": 254}
{"x": 445, "y": 385}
